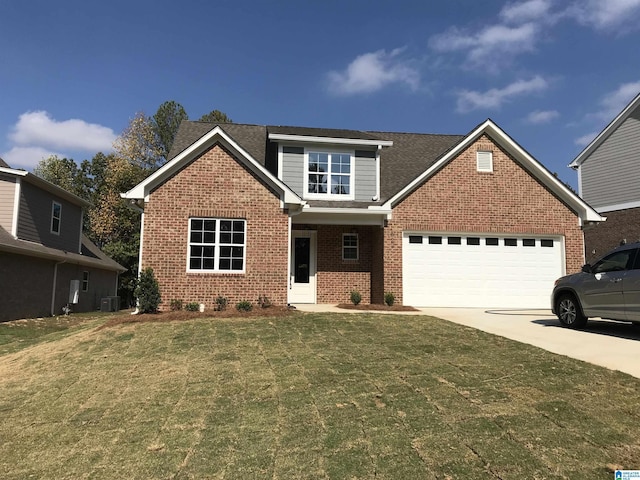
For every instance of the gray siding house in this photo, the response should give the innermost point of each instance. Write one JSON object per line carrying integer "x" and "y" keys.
{"x": 45, "y": 260}
{"x": 608, "y": 171}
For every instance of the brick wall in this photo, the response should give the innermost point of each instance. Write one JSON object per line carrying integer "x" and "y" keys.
{"x": 460, "y": 199}
{"x": 336, "y": 278}
{"x": 620, "y": 225}
{"x": 216, "y": 185}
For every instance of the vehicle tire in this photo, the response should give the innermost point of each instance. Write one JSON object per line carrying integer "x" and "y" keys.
{"x": 569, "y": 311}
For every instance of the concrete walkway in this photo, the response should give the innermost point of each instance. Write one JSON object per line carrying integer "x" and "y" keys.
{"x": 612, "y": 345}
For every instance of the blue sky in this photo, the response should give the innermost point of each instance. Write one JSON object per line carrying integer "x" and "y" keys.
{"x": 552, "y": 74}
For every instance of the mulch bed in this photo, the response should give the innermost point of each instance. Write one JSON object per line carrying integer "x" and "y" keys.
{"x": 377, "y": 306}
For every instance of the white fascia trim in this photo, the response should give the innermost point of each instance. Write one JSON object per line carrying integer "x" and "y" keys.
{"x": 16, "y": 208}
{"x": 333, "y": 140}
{"x": 347, "y": 211}
{"x": 586, "y": 213}
{"x": 604, "y": 134}
{"x": 619, "y": 206}
{"x": 13, "y": 171}
{"x": 143, "y": 188}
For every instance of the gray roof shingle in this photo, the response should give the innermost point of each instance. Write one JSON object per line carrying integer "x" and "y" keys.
{"x": 410, "y": 155}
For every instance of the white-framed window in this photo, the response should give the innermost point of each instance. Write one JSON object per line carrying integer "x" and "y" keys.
{"x": 56, "y": 217}
{"x": 484, "y": 161}
{"x": 329, "y": 175}
{"x": 350, "y": 246}
{"x": 216, "y": 245}
{"x": 85, "y": 281}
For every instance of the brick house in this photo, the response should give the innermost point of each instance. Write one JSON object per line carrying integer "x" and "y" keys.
{"x": 306, "y": 215}
{"x": 45, "y": 260}
{"x": 608, "y": 172}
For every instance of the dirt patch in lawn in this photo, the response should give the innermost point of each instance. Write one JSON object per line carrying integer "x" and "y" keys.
{"x": 380, "y": 307}
{"x": 183, "y": 315}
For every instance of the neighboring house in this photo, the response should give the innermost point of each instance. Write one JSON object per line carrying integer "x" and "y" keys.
{"x": 306, "y": 215}
{"x": 45, "y": 260}
{"x": 608, "y": 171}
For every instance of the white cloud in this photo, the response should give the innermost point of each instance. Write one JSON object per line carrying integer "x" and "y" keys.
{"x": 585, "y": 140}
{"x": 371, "y": 72}
{"x": 614, "y": 102}
{"x": 606, "y": 15}
{"x": 40, "y": 130}
{"x": 494, "y": 42}
{"x": 494, "y": 98}
{"x": 522, "y": 12}
{"x": 542, "y": 116}
{"x": 27, "y": 157}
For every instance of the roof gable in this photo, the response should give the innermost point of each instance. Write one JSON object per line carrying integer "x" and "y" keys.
{"x": 210, "y": 134}
{"x": 535, "y": 168}
{"x": 633, "y": 107}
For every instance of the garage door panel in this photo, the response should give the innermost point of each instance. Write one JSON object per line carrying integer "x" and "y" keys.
{"x": 518, "y": 272}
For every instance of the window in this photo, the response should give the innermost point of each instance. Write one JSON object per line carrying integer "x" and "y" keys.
{"x": 491, "y": 241}
{"x": 350, "y": 246}
{"x": 216, "y": 245}
{"x": 329, "y": 174}
{"x": 546, "y": 243}
{"x": 510, "y": 242}
{"x": 435, "y": 240}
{"x": 614, "y": 262}
{"x": 484, "y": 161}
{"x": 473, "y": 241}
{"x": 454, "y": 240}
{"x": 56, "y": 216}
{"x": 415, "y": 238}
{"x": 85, "y": 281}
{"x": 529, "y": 242}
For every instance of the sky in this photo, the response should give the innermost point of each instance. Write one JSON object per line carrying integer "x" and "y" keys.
{"x": 551, "y": 74}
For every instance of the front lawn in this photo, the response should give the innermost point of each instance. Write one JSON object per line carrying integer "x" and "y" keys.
{"x": 310, "y": 396}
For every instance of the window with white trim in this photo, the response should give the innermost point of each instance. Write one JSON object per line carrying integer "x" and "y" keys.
{"x": 484, "y": 161}
{"x": 85, "y": 281}
{"x": 216, "y": 245}
{"x": 329, "y": 174}
{"x": 56, "y": 217}
{"x": 350, "y": 246}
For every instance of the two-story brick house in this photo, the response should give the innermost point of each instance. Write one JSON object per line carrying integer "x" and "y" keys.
{"x": 45, "y": 260}
{"x": 305, "y": 215}
{"x": 608, "y": 170}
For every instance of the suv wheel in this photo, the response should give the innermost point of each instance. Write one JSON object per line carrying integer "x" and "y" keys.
{"x": 569, "y": 311}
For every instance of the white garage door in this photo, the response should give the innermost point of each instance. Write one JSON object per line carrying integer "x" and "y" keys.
{"x": 491, "y": 271}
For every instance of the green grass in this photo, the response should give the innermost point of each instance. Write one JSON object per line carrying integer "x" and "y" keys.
{"x": 310, "y": 396}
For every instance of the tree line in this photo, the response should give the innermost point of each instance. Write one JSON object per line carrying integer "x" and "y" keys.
{"x": 138, "y": 151}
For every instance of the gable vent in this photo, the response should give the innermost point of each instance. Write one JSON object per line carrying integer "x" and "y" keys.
{"x": 484, "y": 161}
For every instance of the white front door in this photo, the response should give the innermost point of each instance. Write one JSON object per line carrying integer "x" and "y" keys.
{"x": 302, "y": 280}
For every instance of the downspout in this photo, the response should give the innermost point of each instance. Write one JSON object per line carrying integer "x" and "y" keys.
{"x": 55, "y": 280}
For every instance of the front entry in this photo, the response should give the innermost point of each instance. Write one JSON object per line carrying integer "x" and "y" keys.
{"x": 302, "y": 279}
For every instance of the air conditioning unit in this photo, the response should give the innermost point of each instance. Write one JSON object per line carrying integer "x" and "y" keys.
{"x": 110, "y": 304}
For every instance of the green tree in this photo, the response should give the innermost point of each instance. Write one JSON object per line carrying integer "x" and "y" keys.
{"x": 62, "y": 172}
{"x": 148, "y": 291}
{"x": 166, "y": 122}
{"x": 215, "y": 116}
{"x": 139, "y": 143}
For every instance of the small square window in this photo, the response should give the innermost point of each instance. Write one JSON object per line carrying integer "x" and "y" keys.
{"x": 435, "y": 240}
{"x": 484, "y": 161}
{"x": 491, "y": 241}
{"x": 510, "y": 242}
{"x": 415, "y": 238}
{"x": 473, "y": 241}
{"x": 350, "y": 246}
{"x": 454, "y": 240}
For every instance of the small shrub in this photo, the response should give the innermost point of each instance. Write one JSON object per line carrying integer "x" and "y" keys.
{"x": 175, "y": 305}
{"x": 221, "y": 303}
{"x": 264, "y": 301}
{"x": 244, "y": 306}
{"x": 356, "y": 298}
{"x": 389, "y": 298}
{"x": 192, "y": 307}
{"x": 148, "y": 291}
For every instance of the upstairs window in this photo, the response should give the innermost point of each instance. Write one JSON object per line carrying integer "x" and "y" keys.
{"x": 329, "y": 174}
{"x": 56, "y": 217}
{"x": 216, "y": 245}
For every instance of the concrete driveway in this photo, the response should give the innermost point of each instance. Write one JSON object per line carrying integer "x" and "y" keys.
{"x": 612, "y": 345}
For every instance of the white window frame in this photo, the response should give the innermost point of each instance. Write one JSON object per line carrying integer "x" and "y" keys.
{"x": 357, "y": 246}
{"x": 54, "y": 218}
{"x": 484, "y": 157}
{"x": 216, "y": 246}
{"x": 329, "y": 195}
{"x": 85, "y": 281}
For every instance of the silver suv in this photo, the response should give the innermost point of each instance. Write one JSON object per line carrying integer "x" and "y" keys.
{"x": 610, "y": 288}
